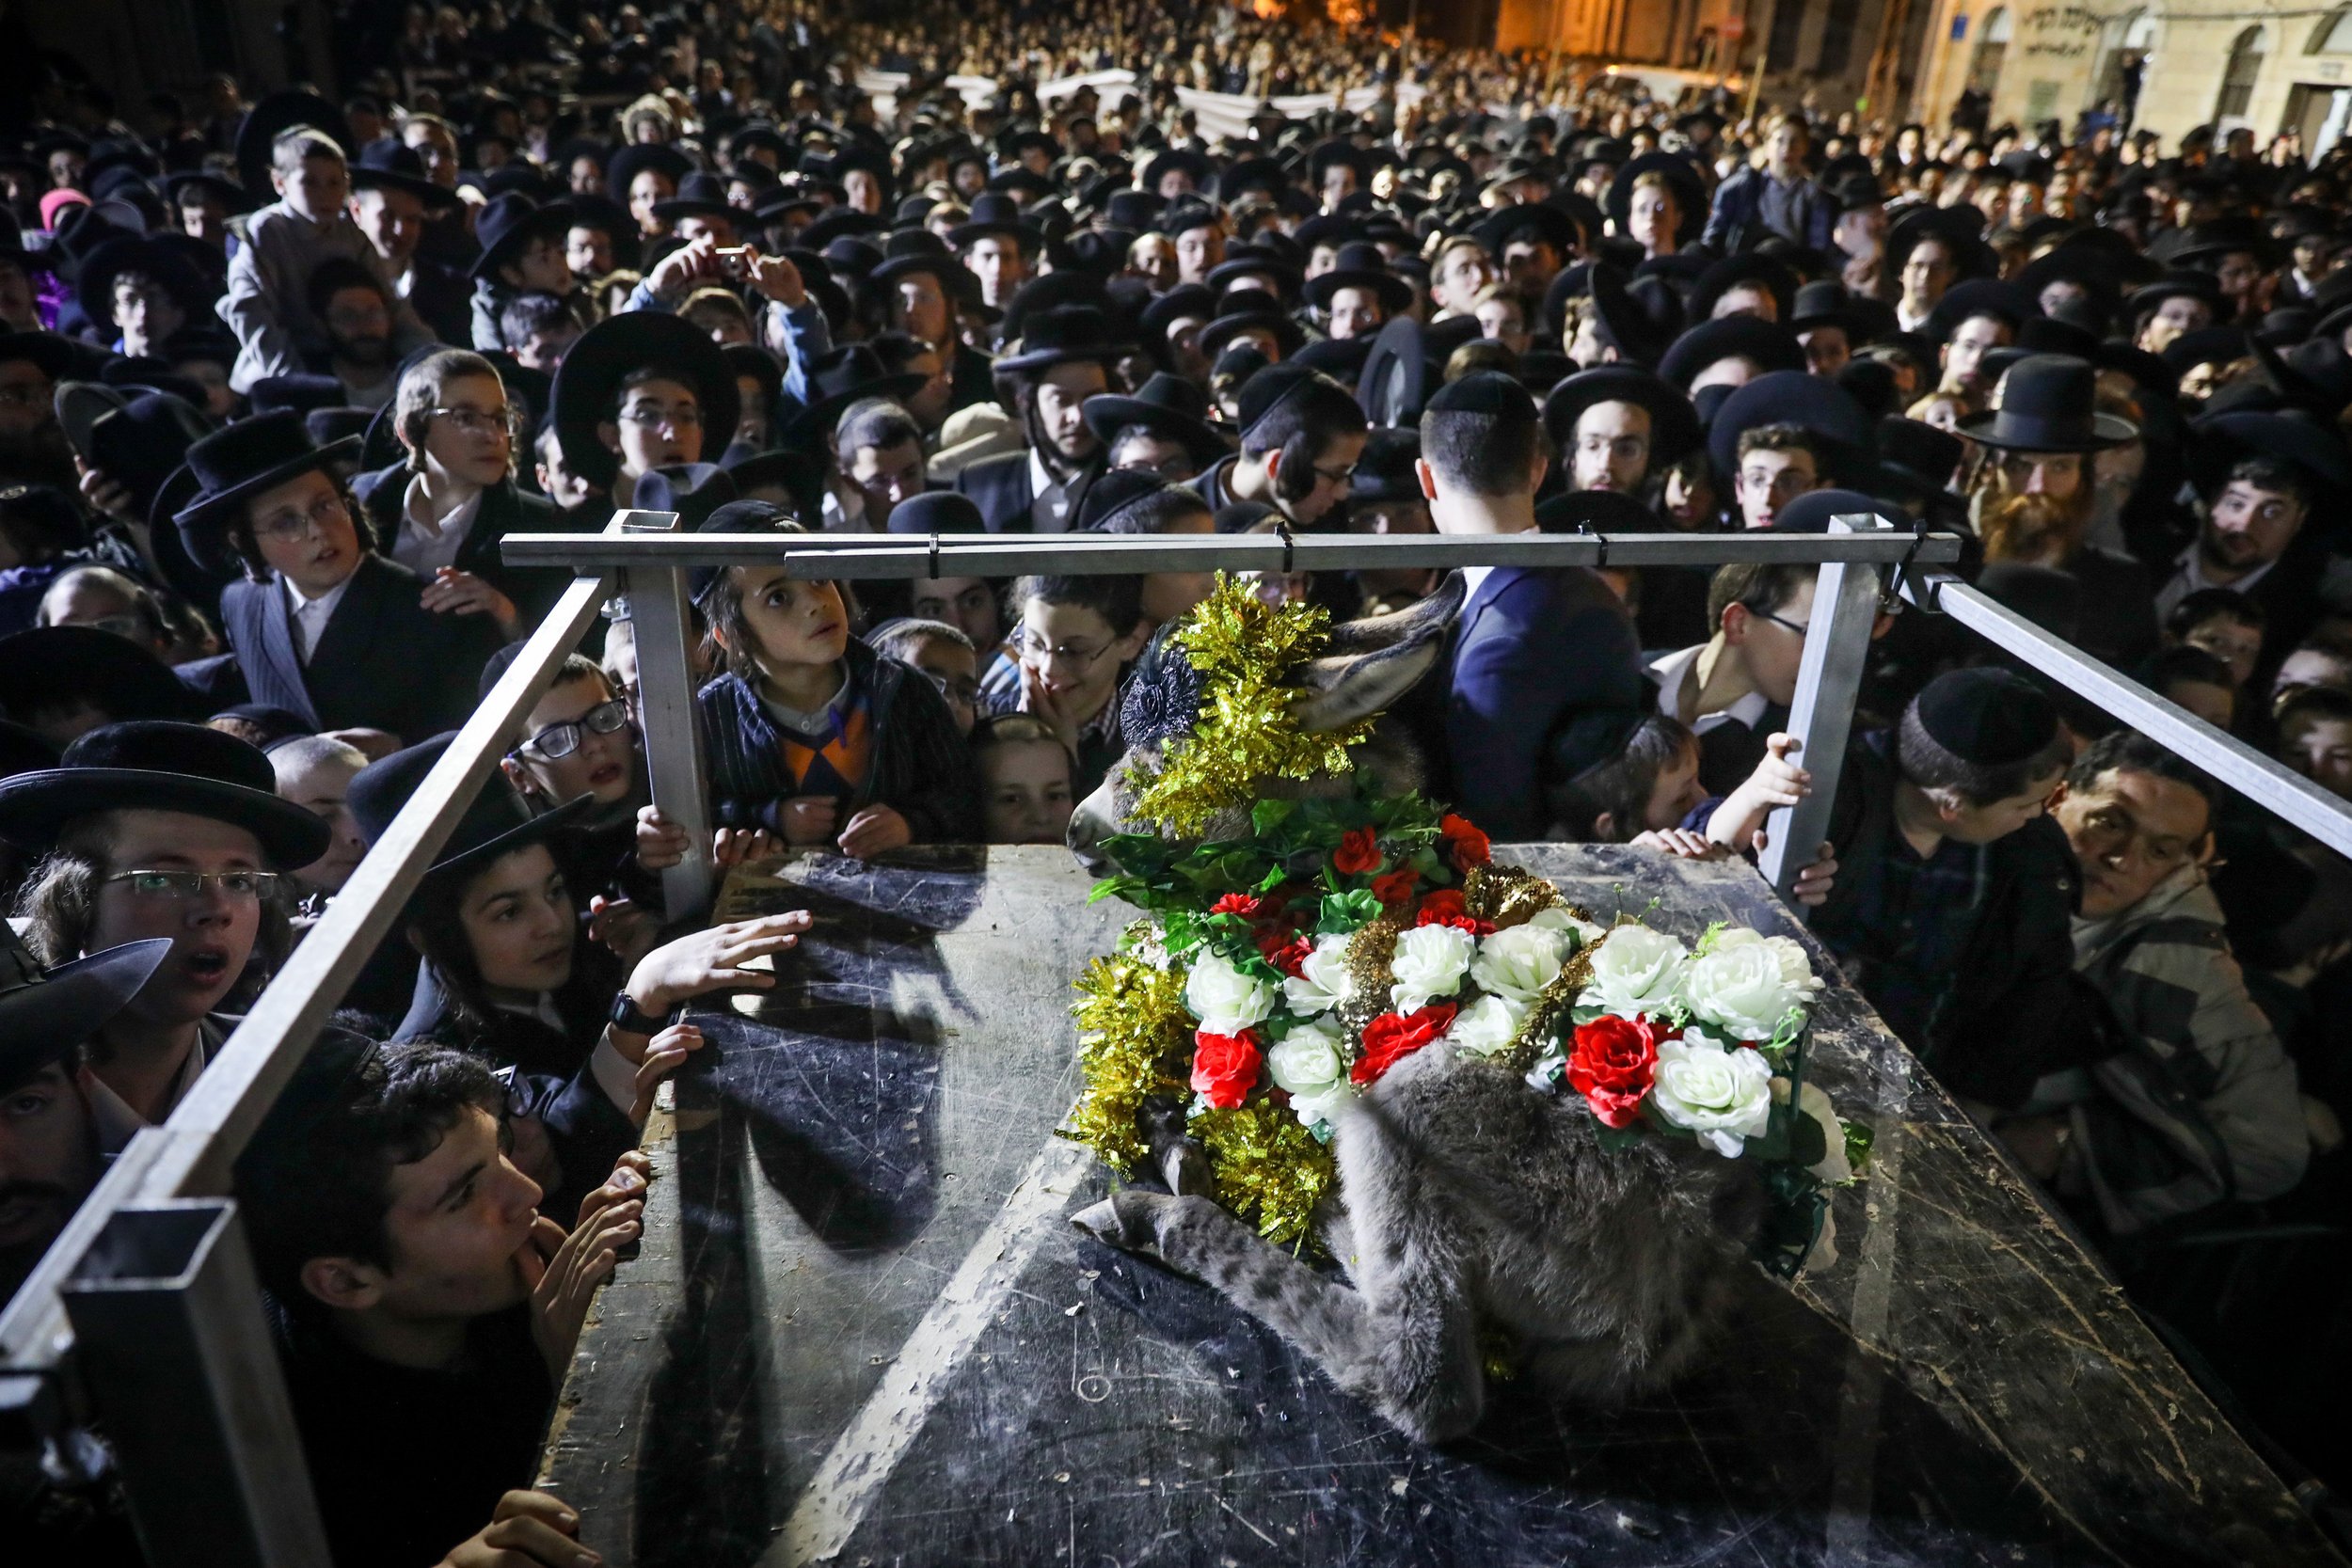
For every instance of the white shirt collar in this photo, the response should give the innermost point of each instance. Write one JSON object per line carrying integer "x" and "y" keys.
{"x": 111, "y": 1114}
{"x": 309, "y": 617}
{"x": 428, "y": 542}
{"x": 1671, "y": 671}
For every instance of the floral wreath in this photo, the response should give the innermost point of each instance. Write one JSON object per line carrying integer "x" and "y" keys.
{"x": 1275, "y": 978}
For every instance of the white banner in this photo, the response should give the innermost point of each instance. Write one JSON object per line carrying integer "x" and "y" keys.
{"x": 1218, "y": 114}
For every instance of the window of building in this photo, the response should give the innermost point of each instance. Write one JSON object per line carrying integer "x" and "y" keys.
{"x": 1837, "y": 37}
{"x": 2333, "y": 36}
{"x": 2237, "y": 81}
{"x": 1984, "y": 69}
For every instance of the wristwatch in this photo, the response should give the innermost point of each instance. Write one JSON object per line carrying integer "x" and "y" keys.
{"x": 625, "y": 1018}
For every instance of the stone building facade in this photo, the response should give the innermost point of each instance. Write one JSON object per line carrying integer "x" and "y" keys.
{"x": 2173, "y": 66}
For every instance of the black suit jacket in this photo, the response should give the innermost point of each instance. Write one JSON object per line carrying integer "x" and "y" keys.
{"x": 384, "y": 662}
{"x": 444, "y": 299}
{"x": 504, "y": 510}
{"x": 999, "y": 486}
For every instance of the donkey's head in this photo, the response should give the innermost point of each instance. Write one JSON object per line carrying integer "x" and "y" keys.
{"x": 1365, "y": 666}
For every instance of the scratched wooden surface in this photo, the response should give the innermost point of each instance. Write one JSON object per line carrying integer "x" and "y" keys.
{"x": 861, "y": 1330}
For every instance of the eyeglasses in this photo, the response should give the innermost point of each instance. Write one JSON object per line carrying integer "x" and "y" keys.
{"x": 288, "y": 527}
{"x": 477, "y": 422}
{"x": 1335, "y": 476}
{"x": 558, "y": 742}
{"x": 1781, "y": 621}
{"x": 1075, "y": 655}
{"x": 963, "y": 692}
{"x": 680, "y": 418}
{"x": 187, "y": 887}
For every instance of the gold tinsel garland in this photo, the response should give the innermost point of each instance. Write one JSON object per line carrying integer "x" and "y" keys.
{"x": 1244, "y": 651}
{"x": 1269, "y": 1168}
{"x": 1132, "y": 1026}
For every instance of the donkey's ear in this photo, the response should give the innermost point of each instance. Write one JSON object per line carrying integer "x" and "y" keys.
{"x": 1342, "y": 688}
{"x": 1426, "y": 617}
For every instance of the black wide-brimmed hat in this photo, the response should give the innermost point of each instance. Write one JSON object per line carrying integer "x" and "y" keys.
{"x": 1397, "y": 374}
{"x": 1815, "y": 403}
{"x": 1553, "y": 225}
{"x": 94, "y": 279}
{"x": 1748, "y": 269}
{"x": 634, "y": 159}
{"x": 1979, "y": 296}
{"x": 1388, "y": 470}
{"x": 51, "y": 665}
{"x": 234, "y": 465}
{"x": 1598, "y": 512}
{"x": 589, "y": 383}
{"x": 996, "y": 213}
{"x": 2049, "y": 403}
{"x": 495, "y": 824}
{"x": 1917, "y": 458}
{"x": 1640, "y": 327}
{"x": 157, "y": 764}
{"x": 1674, "y": 425}
{"x": 1064, "y": 335}
{"x": 508, "y": 224}
{"x": 277, "y": 113}
{"x": 841, "y": 376}
{"x": 699, "y": 196}
{"x": 1247, "y": 308}
{"x": 1768, "y": 344}
{"x": 45, "y": 1013}
{"x": 936, "y": 512}
{"x": 1165, "y": 403}
{"x": 2297, "y": 439}
{"x": 1811, "y": 512}
{"x": 385, "y": 165}
{"x": 1960, "y": 228}
{"x": 1361, "y": 267}
{"x": 1689, "y": 193}
{"x": 2199, "y": 286}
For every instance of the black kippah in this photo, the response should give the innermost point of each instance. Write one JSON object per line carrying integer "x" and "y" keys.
{"x": 1489, "y": 392}
{"x": 744, "y": 517}
{"x": 1987, "y": 717}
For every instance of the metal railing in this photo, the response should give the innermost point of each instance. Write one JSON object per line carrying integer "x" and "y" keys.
{"x": 144, "y": 1322}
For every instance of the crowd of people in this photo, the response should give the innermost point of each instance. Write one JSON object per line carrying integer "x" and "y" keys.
{"x": 279, "y": 377}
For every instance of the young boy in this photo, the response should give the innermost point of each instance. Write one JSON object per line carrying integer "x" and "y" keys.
{"x": 1024, "y": 780}
{"x": 284, "y": 244}
{"x": 1735, "y": 688}
{"x": 942, "y": 652}
{"x": 1077, "y": 636}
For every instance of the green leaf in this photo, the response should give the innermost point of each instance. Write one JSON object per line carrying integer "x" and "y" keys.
{"x": 1858, "y": 1136}
{"x": 1115, "y": 887}
{"x": 1267, "y": 816}
{"x": 1347, "y": 912}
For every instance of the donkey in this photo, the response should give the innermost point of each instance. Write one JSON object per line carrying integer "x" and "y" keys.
{"x": 1467, "y": 1199}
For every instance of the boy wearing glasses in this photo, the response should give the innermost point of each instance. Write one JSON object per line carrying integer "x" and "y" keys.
{"x": 1076, "y": 637}
{"x": 443, "y": 509}
{"x": 322, "y": 625}
{"x": 158, "y": 829}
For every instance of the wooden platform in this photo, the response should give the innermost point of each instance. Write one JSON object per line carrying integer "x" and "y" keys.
{"x": 863, "y": 1331}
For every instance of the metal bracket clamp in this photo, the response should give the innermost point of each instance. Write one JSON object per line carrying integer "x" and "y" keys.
{"x": 1600, "y": 546}
{"x": 1290, "y": 545}
{"x": 933, "y": 573}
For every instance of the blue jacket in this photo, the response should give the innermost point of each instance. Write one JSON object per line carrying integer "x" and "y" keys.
{"x": 1737, "y": 223}
{"x": 1533, "y": 649}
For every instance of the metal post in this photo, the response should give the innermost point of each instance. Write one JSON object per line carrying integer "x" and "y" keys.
{"x": 1837, "y": 642}
{"x": 664, "y": 627}
{"x": 180, "y": 1364}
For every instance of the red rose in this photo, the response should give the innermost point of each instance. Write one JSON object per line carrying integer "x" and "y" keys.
{"x": 1236, "y": 903}
{"x": 1470, "y": 846}
{"x": 1284, "y": 952}
{"x": 1225, "y": 1067}
{"x": 1392, "y": 1037}
{"x": 1612, "y": 1066}
{"x": 1357, "y": 853}
{"x": 1445, "y": 908}
{"x": 1397, "y": 886}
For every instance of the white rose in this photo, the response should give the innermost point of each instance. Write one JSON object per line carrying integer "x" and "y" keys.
{"x": 1487, "y": 1026}
{"x": 1323, "y": 981}
{"x": 1430, "y": 963}
{"x": 1224, "y": 1000}
{"x": 1308, "y": 1065}
{"x": 1519, "y": 963}
{"x": 1796, "y": 970}
{"x": 1722, "y": 1093}
{"x": 1557, "y": 918}
{"x": 1635, "y": 970}
{"x": 1833, "y": 1166}
{"x": 1741, "y": 987}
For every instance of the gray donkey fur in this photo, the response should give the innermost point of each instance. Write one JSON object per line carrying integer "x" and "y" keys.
{"x": 1467, "y": 1199}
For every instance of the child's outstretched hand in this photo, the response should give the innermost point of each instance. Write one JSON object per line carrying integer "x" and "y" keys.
{"x": 873, "y": 830}
{"x": 809, "y": 819}
{"x": 664, "y": 1057}
{"x": 1777, "y": 782}
{"x": 660, "y": 843}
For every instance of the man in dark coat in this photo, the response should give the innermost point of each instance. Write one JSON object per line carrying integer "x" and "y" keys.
{"x": 1064, "y": 358}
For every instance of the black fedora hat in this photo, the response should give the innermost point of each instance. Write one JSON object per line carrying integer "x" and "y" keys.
{"x": 1811, "y": 512}
{"x": 1360, "y": 266}
{"x": 630, "y": 161}
{"x": 1961, "y": 229}
{"x": 190, "y": 288}
{"x": 1690, "y": 192}
{"x": 1824, "y": 302}
{"x": 1641, "y": 328}
{"x": 62, "y": 665}
{"x": 1674, "y": 425}
{"x": 45, "y": 1013}
{"x": 1387, "y": 471}
{"x": 508, "y": 224}
{"x": 1770, "y": 345}
{"x": 158, "y": 765}
{"x": 1815, "y": 403}
{"x": 1251, "y": 308}
{"x": 143, "y": 440}
{"x": 2297, "y": 440}
{"x": 590, "y": 380}
{"x": 913, "y": 252}
{"x": 1067, "y": 334}
{"x": 2048, "y": 404}
{"x": 699, "y": 196}
{"x": 495, "y": 824}
{"x": 234, "y": 465}
{"x": 1979, "y": 296}
{"x": 218, "y": 186}
{"x": 692, "y": 490}
{"x": 1598, "y": 512}
{"x": 1397, "y": 374}
{"x": 936, "y": 512}
{"x": 2200, "y": 286}
{"x": 996, "y": 213}
{"x": 841, "y": 376}
{"x": 1165, "y": 403}
{"x": 1748, "y": 269}
{"x": 1916, "y": 457}
{"x": 385, "y": 165}
{"x": 1545, "y": 222}
{"x": 273, "y": 115}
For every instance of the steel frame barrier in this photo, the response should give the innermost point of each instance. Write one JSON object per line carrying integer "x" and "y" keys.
{"x": 144, "y": 1322}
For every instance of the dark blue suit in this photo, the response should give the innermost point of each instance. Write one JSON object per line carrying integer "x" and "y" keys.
{"x": 384, "y": 662}
{"x": 999, "y": 486}
{"x": 1532, "y": 650}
